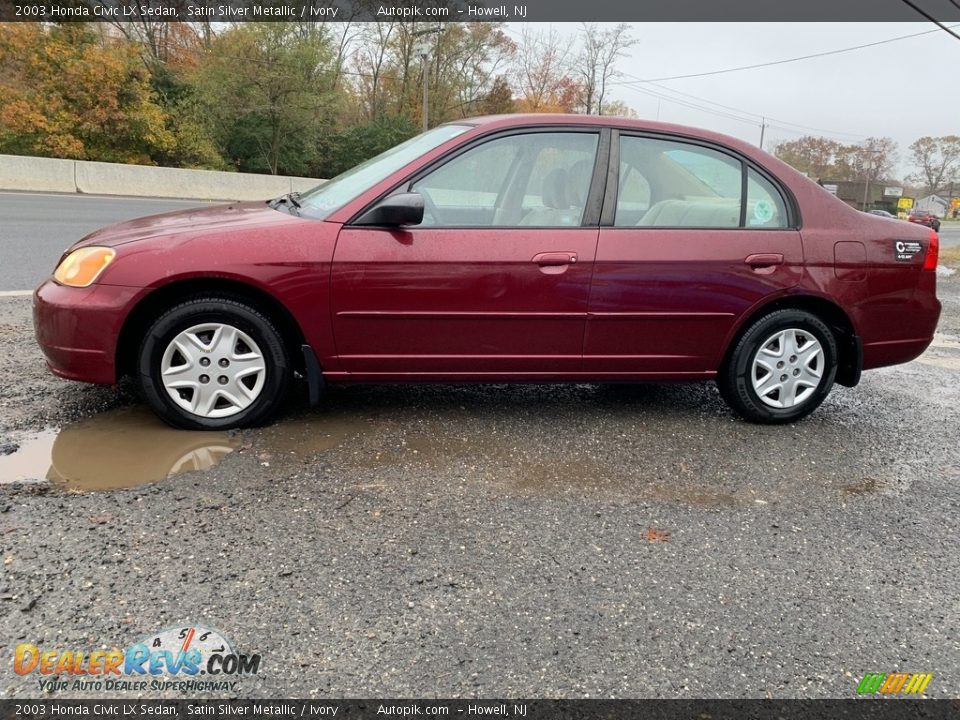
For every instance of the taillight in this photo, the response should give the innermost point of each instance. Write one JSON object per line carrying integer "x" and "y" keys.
{"x": 933, "y": 252}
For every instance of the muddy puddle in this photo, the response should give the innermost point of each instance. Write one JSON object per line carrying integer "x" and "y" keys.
{"x": 116, "y": 449}
{"x": 306, "y": 435}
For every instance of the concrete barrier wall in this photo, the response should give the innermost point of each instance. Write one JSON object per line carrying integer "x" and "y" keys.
{"x": 96, "y": 178}
{"x": 34, "y": 173}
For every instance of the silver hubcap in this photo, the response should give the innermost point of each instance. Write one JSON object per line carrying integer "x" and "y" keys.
{"x": 213, "y": 370}
{"x": 788, "y": 368}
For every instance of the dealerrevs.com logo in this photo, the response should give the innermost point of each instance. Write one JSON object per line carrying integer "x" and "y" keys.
{"x": 189, "y": 658}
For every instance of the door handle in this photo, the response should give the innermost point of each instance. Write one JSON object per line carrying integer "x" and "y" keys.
{"x": 764, "y": 260}
{"x": 554, "y": 258}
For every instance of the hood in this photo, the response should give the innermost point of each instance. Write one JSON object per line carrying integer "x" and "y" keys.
{"x": 193, "y": 221}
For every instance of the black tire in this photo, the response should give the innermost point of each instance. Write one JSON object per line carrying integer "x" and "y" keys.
{"x": 248, "y": 320}
{"x": 734, "y": 377}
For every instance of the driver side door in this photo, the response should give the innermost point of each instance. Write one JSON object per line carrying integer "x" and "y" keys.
{"x": 494, "y": 282}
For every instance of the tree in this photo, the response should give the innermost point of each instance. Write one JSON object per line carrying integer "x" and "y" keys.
{"x": 937, "y": 160}
{"x": 815, "y": 156}
{"x": 596, "y": 66}
{"x": 356, "y": 143}
{"x": 464, "y": 60}
{"x": 875, "y": 157}
{"x": 499, "y": 99}
{"x": 65, "y": 94}
{"x": 268, "y": 87}
{"x": 618, "y": 107}
{"x": 821, "y": 157}
{"x": 541, "y": 68}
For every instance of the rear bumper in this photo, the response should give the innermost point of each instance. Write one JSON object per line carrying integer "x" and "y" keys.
{"x": 916, "y": 335}
{"x": 77, "y": 328}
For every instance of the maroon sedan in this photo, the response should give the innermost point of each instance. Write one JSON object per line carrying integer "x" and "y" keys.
{"x": 535, "y": 248}
{"x": 924, "y": 217}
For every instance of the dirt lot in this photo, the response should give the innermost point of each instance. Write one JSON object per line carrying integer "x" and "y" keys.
{"x": 614, "y": 541}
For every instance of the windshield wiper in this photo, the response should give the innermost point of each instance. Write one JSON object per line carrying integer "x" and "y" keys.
{"x": 291, "y": 200}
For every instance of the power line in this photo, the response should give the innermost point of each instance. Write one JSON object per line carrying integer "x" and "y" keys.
{"x": 932, "y": 19}
{"x": 695, "y": 106}
{"x": 802, "y": 57}
{"x": 760, "y": 116}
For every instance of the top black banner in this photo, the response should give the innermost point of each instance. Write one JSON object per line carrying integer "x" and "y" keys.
{"x": 944, "y": 11}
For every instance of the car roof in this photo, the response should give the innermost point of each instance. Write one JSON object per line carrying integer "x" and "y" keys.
{"x": 491, "y": 122}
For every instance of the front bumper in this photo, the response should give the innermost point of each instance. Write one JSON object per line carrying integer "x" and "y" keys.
{"x": 77, "y": 328}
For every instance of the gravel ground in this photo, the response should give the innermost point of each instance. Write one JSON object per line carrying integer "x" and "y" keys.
{"x": 600, "y": 541}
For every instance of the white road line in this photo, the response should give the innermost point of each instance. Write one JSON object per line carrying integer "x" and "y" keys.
{"x": 89, "y": 196}
{"x": 15, "y": 293}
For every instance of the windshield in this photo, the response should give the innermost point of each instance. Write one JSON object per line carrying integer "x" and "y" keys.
{"x": 324, "y": 199}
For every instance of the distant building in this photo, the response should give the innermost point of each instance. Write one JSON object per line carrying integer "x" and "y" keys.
{"x": 881, "y": 194}
{"x": 937, "y": 204}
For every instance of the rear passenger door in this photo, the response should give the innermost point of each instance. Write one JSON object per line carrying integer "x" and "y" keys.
{"x": 692, "y": 237}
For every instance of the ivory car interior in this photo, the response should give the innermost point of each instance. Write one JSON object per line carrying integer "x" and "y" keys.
{"x": 538, "y": 248}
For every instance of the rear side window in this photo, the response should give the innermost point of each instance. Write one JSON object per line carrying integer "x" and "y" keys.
{"x": 683, "y": 185}
{"x": 666, "y": 183}
{"x": 765, "y": 206}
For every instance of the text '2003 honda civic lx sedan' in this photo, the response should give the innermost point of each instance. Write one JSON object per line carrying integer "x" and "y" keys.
{"x": 513, "y": 248}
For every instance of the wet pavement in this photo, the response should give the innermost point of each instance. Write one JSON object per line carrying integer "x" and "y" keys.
{"x": 569, "y": 541}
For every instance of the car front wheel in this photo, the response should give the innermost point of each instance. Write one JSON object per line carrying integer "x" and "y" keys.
{"x": 781, "y": 368}
{"x": 214, "y": 363}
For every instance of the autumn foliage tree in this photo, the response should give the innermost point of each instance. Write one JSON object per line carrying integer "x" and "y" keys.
{"x": 66, "y": 94}
{"x": 821, "y": 157}
{"x": 280, "y": 97}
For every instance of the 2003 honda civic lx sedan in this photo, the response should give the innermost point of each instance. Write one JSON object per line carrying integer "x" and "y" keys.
{"x": 512, "y": 248}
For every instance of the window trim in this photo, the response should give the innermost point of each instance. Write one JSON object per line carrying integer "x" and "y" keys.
{"x": 595, "y": 194}
{"x": 608, "y": 213}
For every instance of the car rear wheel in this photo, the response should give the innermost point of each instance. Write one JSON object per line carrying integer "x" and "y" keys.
{"x": 781, "y": 368}
{"x": 214, "y": 363}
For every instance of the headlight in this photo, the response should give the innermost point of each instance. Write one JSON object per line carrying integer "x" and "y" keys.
{"x": 82, "y": 267}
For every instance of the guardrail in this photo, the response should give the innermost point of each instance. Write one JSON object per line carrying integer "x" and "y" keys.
{"x": 40, "y": 174}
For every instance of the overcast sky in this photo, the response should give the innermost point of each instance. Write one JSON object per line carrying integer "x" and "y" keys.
{"x": 903, "y": 90}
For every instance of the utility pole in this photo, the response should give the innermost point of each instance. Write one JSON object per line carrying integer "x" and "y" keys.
{"x": 867, "y": 167}
{"x": 422, "y": 48}
{"x": 866, "y": 184}
{"x": 763, "y": 131}
{"x": 426, "y": 91}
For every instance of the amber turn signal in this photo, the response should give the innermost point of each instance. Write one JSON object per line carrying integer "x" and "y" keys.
{"x": 82, "y": 267}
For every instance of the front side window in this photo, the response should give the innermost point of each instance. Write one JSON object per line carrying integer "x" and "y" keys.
{"x": 323, "y": 200}
{"x": 537, "y": 179}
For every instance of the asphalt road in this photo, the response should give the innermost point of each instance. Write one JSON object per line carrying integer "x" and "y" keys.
{"x": 950, "y": 234}
{"x": 35, "y": 228}
{"x": 578, "y": 541}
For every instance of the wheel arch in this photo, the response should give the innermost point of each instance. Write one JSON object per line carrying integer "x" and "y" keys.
{"x": 850, "y": 360}
{"x": 151, "y": 305}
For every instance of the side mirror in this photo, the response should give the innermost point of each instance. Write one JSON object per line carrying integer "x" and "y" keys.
{"x": 395, "y": 210}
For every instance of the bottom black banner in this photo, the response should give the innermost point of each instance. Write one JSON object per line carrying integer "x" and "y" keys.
{"x": 854, "y": 709}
